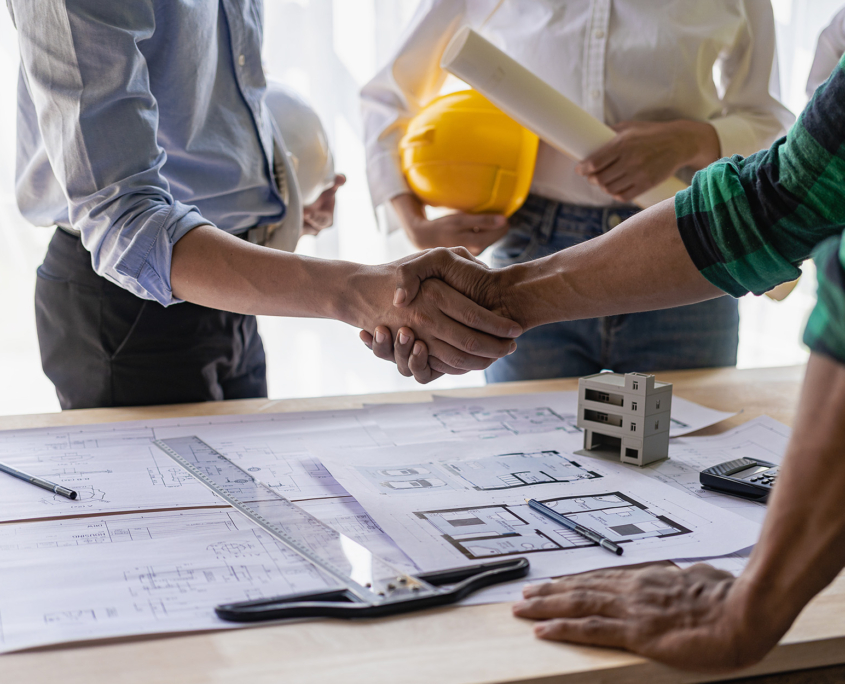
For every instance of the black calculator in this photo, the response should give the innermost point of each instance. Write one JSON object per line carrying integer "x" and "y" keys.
{"x": 749, "y": 478}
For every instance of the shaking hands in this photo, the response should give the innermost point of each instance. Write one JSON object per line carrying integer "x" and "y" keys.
{"x": 473, "y": 324}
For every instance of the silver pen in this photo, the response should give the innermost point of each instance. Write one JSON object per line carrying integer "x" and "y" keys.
{"x": 38, "y": 482}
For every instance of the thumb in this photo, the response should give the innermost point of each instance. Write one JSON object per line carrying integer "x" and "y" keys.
{"x": 434, "y": 263}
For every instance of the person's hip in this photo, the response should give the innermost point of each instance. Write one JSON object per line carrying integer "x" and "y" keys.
{"x": 544, "y": 226}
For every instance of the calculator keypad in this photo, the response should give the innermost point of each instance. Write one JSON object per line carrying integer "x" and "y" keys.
{"x": 766, "y": 478}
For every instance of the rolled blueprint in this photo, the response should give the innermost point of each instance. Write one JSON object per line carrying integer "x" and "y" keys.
{"x": 534, "y": 103}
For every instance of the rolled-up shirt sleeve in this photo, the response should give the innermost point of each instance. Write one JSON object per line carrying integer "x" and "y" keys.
{"x": 398, "y": 92}
{"x": 88, "y": 80}
{"x": 752, "y": 116}
{"x": 748, "y": 223}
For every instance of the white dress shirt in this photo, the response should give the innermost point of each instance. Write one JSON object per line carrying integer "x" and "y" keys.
{"x": 619, "y": 59}
{"x": 829, "y": 51}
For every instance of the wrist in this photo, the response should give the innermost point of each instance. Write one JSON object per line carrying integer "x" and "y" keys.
{"x": 349, "y": 287}
{"x": 517, "y": 286}
{"x": 532, "y": 294}
{"x": 757, "y": 615}
{"x": 700, "y": 144}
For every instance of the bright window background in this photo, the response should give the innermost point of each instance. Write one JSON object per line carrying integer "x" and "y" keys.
{"x": 327, "y": 49}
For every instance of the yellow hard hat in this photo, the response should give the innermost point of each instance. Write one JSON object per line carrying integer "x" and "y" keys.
{"x": 462, "y": 152}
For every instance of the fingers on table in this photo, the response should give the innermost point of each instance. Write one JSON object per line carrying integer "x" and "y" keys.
{"x": 595, "y": 631}
{"x": 573, "y": 604}
{"x": 610, "y": 579}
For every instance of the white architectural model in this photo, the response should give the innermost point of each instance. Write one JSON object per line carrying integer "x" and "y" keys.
{"x": 627, "y": 412}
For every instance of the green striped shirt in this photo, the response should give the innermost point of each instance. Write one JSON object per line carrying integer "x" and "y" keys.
{"x": 748, "y": 223}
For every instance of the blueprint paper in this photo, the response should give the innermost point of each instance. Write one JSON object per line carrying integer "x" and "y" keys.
{"x": 115, "y": 467}
{"x": 458, "y": 503}
{"x": 149, "y": 573}
{"x": 762, "y": 438}
{"x": 493, "y": 417}
{"x": 687, "y": 416}
{"x": 154, "y": 586}
{"x": 733, "y": 563}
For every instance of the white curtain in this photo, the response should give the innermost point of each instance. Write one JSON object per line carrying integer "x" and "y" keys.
{"x": 327, "y": 49}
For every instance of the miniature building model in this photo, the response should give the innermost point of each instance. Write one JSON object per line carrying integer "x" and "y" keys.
{"x": 627, "y": 412}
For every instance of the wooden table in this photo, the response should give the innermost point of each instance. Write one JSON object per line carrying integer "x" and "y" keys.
{"x": 480, "y": 644}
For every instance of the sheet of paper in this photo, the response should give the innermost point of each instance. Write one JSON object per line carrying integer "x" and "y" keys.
{"x": 733, "y": 563}
{"x": 115, "y": 467}
{"x": 762, "y": 438}
{"x": 459, "y": 503}
{"x": 504, "y": 416}
{"x": 148, "y": 573}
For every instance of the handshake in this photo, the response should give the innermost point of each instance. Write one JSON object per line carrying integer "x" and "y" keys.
{"x": 450, "y": 314}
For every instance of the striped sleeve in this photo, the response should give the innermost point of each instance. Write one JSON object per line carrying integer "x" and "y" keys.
{"x": 747, "y": 223}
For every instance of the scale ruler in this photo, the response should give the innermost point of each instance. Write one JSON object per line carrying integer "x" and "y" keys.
{"x": 364, "y": 584}
{"x": 345, "y": 560}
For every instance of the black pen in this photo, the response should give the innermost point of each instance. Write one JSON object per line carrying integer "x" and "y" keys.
{"x": 38, "y": 482}
{"x": 602, "y": 541}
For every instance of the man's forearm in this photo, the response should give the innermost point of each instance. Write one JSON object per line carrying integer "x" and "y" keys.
{"x": 641, "y": 265}
{"x": 802, "y": 546}
{"x": 217, "y": 270}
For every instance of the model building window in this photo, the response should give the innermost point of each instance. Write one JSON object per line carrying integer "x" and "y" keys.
{"x": 636, "y": 384}
{"x": 633, "y": 427}
{"x": 657, "y": 405}
{"x": 633, "y": 406}
{"x": 656, "y": 424}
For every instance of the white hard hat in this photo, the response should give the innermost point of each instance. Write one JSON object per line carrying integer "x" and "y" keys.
{"x": 305, "y": 140}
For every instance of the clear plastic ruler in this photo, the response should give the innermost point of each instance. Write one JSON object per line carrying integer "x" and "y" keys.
{"x": 346, "y": 563}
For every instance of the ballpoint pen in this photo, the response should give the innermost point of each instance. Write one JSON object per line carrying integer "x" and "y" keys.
{"x": 38, "y": 482}
{"x": 599, "y": 539}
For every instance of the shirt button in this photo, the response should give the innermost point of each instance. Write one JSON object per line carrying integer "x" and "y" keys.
{"x": 613, "y": 220}
{"x": 241, "y": 60}
{"x": 599, "y": 34}
{"x": 596, "y": 94}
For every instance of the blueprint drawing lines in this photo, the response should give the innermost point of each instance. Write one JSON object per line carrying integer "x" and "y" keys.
{"x": 489, "y": 473}
{"x": 477, "y": 422}
{"x": 505, "y": 530}
{"x": 507, "y": 471}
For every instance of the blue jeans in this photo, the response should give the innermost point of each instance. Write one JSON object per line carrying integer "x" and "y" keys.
{"x": 696, "y": 336}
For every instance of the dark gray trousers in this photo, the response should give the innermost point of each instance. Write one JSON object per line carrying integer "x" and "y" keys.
{"x": 103, "y": 346}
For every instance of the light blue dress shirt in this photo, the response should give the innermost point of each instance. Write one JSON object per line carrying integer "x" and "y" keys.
{"x": 139, "y": 120}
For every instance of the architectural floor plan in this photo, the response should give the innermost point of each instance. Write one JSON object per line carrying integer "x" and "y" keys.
{"x": 476, "y": 422}
{"x": 507, "y": 530}
{"x": 499, "y": 471}
{"x": 460, "y": 518}
{"x": 146, "y": 549}
{"x": 505, "y": 416}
